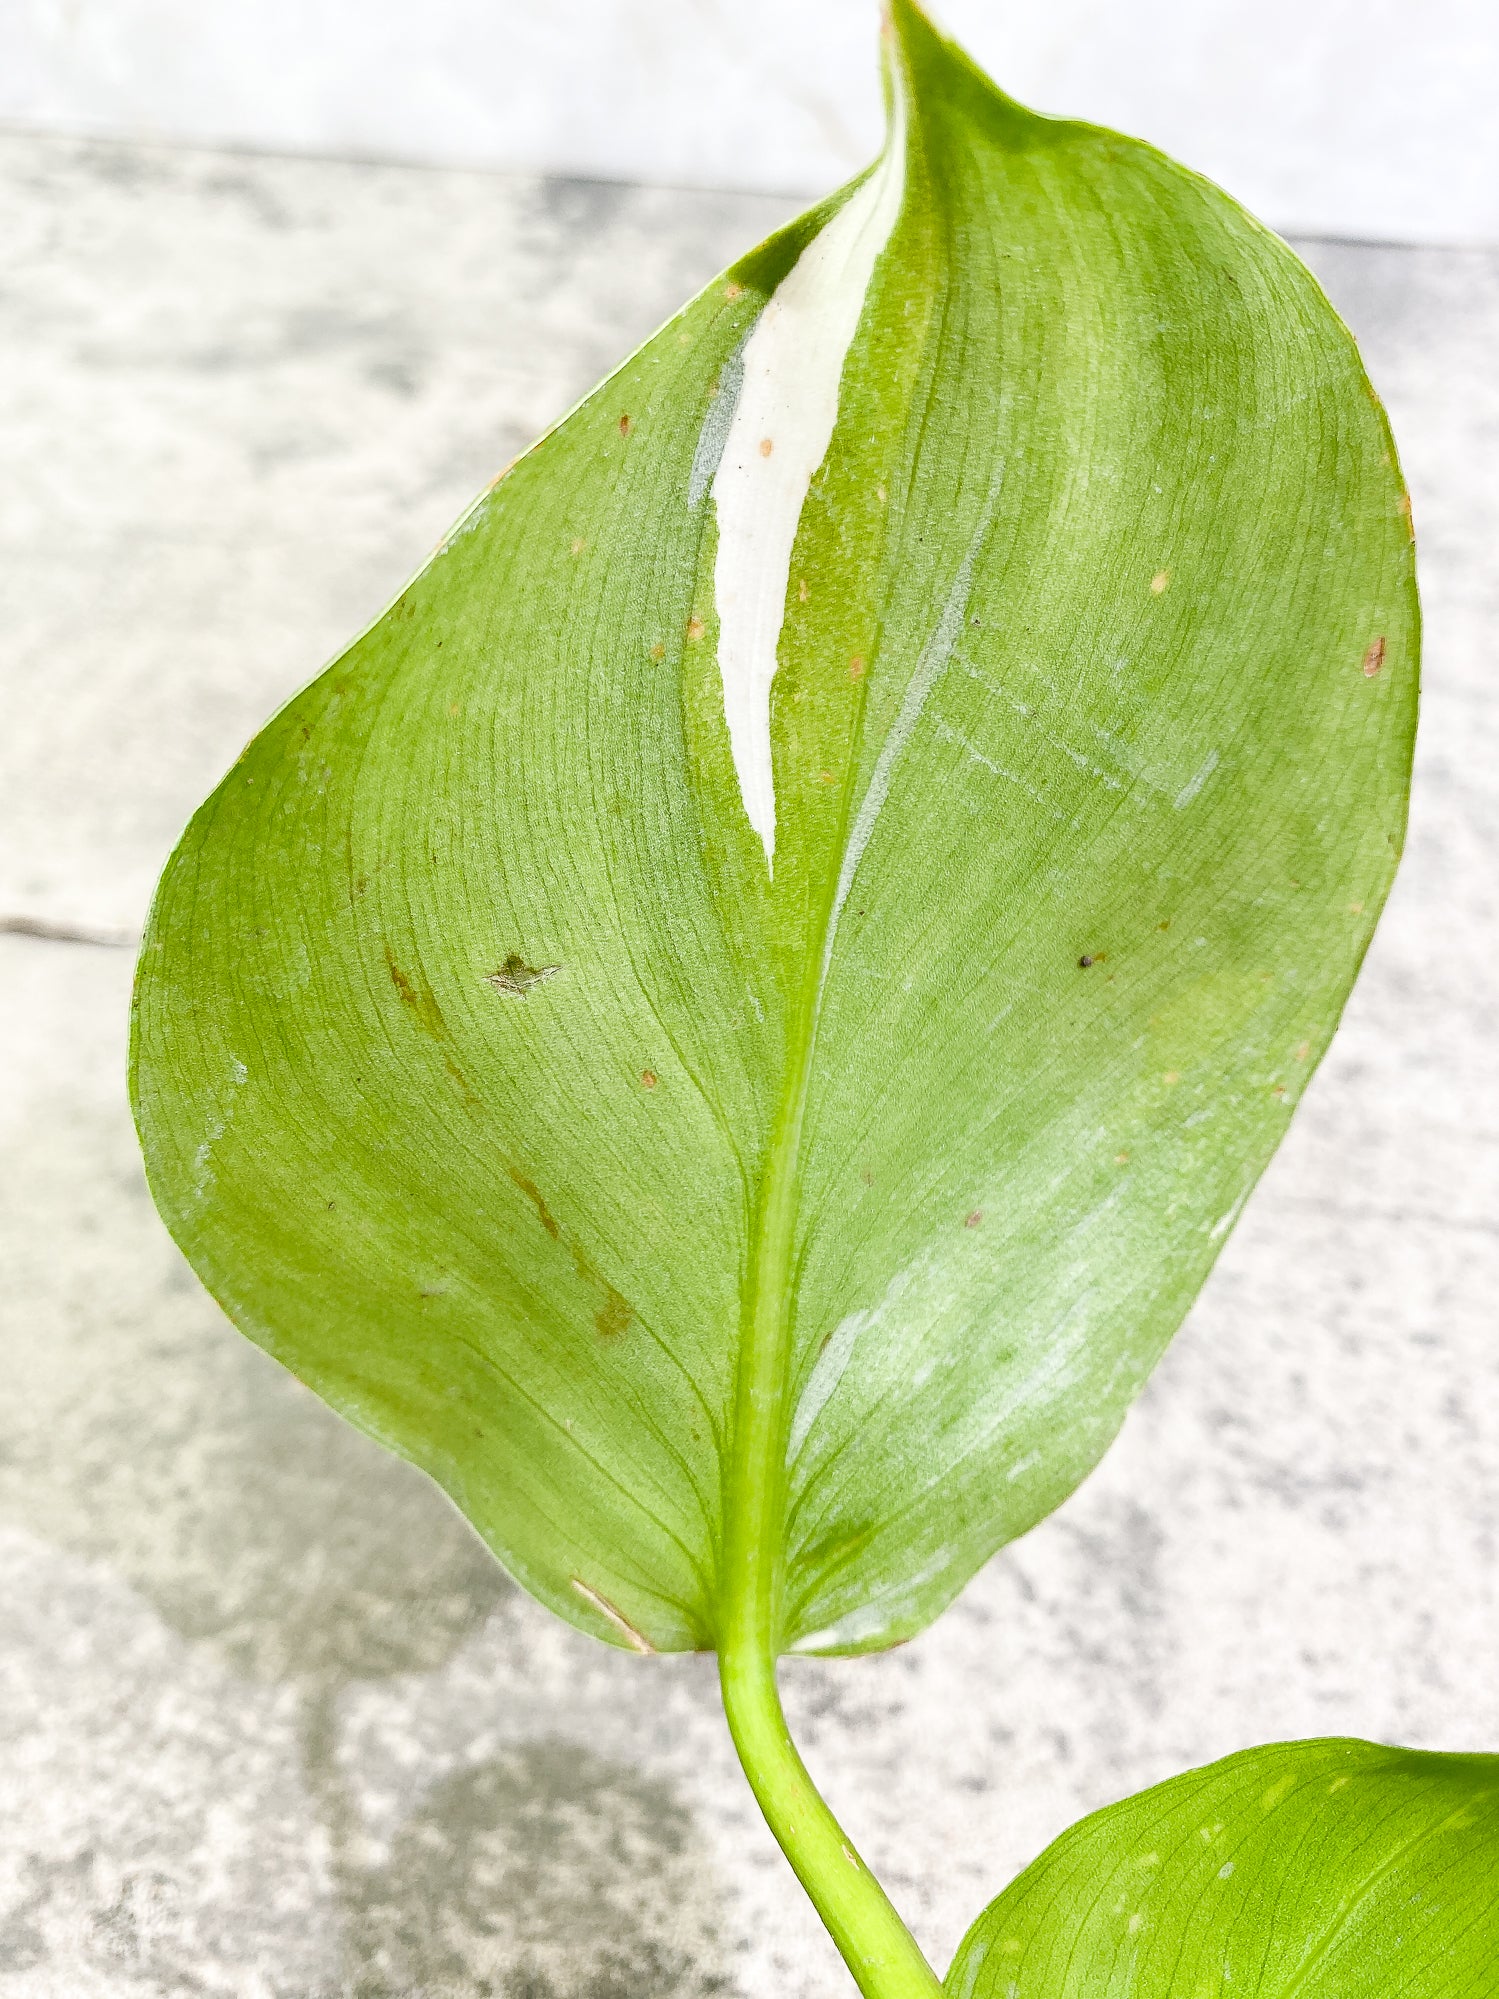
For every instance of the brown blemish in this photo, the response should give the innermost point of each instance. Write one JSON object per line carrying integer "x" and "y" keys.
{"x": 577, "y": 544}
{"x": 452, "y": 707}
{"x": 613, "y": 1316}
{"x": 1303, "y": 1049}
{"x": 1172, "y": 1076}
{"x": 695, "y": 629}
{"x": 658, "y": 651}
{"x": 866, "y": 1175}
{"x": 459, "y": 1078}
{"x": 417, "y": 997}
{"x": 972, "y": 1221}
{"x": 648, "y": 1079}
{"x": 732, "y": 290}
{"x": 1355, "y": 909}
{"x": 801, "y": 591}
{"x": 1374, "y": 658}
{"x": 1121, "y": 1159}
{"x": 767, "y": 445}
{"x": 826, "y": 777}
{"x": 1405, "y": 515}
{"x": 1278, "y": 1090}
{"x": 517, "y": 978}
{"x": 856, "y": 668}
{"x": 1159, "y": 582}
{"x": 534, "y": 1195}
{"x": 625, "y": 426}
{"x": 636, "y": 1640}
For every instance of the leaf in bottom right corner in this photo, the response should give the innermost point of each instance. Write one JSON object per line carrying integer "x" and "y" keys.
{"x": 1325, "y": 1870}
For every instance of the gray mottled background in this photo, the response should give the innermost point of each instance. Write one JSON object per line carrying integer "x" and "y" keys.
{"x": 271, "y": 1723}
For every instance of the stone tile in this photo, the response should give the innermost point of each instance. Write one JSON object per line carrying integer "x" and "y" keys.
{"x": 274, "y": 1725}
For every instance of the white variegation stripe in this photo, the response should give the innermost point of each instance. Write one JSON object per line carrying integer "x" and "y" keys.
{"x": 781, "y": 428}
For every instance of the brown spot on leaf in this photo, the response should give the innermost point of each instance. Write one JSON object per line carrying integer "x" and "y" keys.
{"x": 578, "y": 544}
{"x": 732, "y": 290}
{"x": 533, "y": 1194}
{"x": 1121, "y": 1159}
{"x": 1160, "y": 581}
{"x": 658, "y": 651}
{"x": 625, "y": 426}
{"x": 801, "y": 591}
{"x": 856, "y": 668}
{"x": 1173, "y": 1076}
{"x": 613, "y": 1316}
{"x": 767, "y": 445}
{"x": 1374, "y": 658}
{"x": 459, "y": 1078}
{"x": 972, "y": 1221}
{"x": 826, "y": 777}
{"x": 1303, "y": 1049}
{"x": 695, "y": 628}
{"x": 417, "y": 997}
{"x": 648, "y": 1079}
{"x": 518, "y": 978}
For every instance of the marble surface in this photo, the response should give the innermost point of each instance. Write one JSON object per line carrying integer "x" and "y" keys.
{"x": 1368, "y": 118}
{"x": 272, "y": 1725}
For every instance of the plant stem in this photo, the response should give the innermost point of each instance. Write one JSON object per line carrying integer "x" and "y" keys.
{"x": 876, "y": 1945}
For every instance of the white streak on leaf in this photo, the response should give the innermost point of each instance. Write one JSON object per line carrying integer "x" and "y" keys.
{"x": 976, "y": 1956}
{"x": 636, "y": 1640}
{"x": 824, "y": 1378}
{"x": 717, "y": 424}
{"x": 935, "y": 655}
{"x": 951, "y": 735}
{"x": 792, "y": 372}
{"x": 834, "y": 1359}
{"x": 1195, "y": 783}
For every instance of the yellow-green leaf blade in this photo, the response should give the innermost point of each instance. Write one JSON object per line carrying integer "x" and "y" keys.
{"x": 1298, "y": 1869}
{"x": 475, "y": 998}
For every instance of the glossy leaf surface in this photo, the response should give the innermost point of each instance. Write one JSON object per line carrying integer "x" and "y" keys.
{"x": 732, "y": 1023}
{"x": 1310, "y": 1869}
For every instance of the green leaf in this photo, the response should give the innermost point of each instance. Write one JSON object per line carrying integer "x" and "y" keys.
{"x": 1303, "y": 1868}
{"x": 732, "y": 1023}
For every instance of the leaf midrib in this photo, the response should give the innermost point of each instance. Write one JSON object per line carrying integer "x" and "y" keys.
{"x": 757, "y": 1474}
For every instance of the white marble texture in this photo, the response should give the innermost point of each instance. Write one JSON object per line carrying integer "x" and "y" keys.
{"x": 1369, "y": 118}
{"x": 271, "y": 1723}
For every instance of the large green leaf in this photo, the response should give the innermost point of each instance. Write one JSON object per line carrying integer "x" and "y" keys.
{"x": 749, "y": 1138}
{"x": 1304, "y": 1870}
